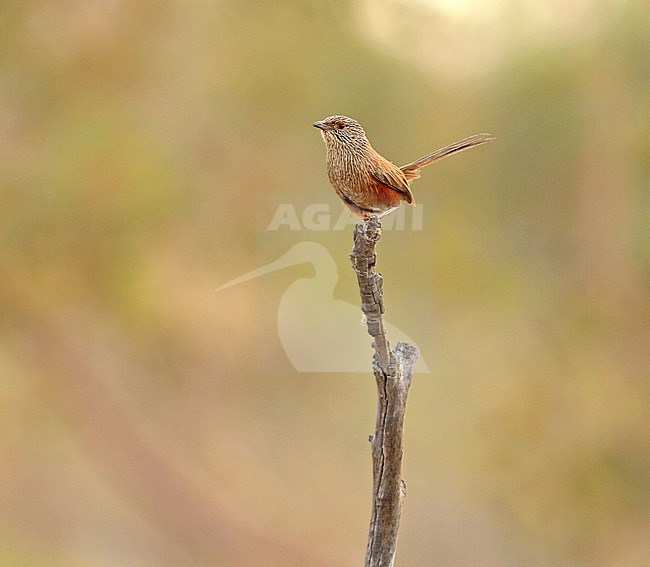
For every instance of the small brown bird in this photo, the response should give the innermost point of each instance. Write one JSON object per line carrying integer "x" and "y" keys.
{"x": 366, "y": 182}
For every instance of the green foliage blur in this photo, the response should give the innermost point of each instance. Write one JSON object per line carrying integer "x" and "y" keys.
{"x": 148, "y": 419}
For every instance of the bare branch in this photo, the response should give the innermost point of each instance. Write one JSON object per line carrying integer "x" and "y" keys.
{"x": 393, "y": 371}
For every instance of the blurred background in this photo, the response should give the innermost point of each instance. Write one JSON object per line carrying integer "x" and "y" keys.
{"x": 148, "y": 419}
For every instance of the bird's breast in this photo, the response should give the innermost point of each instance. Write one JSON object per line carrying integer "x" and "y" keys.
{"x": 350, "y": 175}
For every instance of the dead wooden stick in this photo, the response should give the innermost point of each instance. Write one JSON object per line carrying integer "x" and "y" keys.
{"x": 393, "y": 371}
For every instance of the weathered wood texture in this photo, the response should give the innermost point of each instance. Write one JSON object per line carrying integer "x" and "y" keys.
{"x": 393, "y": 370}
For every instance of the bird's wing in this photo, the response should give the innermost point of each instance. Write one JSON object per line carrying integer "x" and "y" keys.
{"x": 393, "y": 177}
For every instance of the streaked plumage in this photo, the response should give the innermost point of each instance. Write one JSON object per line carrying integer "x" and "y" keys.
{"x": 365, "y": 181}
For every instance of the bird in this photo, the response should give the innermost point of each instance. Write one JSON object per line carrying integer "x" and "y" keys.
{"x": 367, "y": 183}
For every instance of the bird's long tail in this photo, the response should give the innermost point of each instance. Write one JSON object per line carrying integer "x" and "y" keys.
{"x": 412, "y": 170}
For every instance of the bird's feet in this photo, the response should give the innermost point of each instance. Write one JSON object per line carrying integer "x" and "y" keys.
{"x": 387, "y": 212}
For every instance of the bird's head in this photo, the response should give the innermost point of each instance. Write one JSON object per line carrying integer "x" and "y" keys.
{"x": 341, "y": 130}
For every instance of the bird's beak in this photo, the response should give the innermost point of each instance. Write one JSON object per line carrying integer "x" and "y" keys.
{"x": 320, "y": 124}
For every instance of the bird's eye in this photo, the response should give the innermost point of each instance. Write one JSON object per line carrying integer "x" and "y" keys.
{"x": 341, "y": 126}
